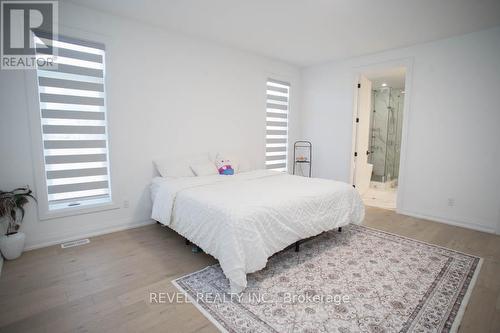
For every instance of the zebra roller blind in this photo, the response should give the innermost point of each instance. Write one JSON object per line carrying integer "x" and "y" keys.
{"x": 277, "y": 103}
{"x": 73, "y": 120}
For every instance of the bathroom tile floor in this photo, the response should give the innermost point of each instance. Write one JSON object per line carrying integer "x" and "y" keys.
{"x": 381, "y": 198}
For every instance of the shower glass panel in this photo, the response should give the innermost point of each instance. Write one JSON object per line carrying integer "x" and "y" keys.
{"x": 385, "y": 133}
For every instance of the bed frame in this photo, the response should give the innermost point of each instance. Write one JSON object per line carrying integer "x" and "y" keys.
{"x": 196, "y": 248}
{"x": 297, "y": 243}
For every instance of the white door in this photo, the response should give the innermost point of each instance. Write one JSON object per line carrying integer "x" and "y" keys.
{"x": 363, "y": 170}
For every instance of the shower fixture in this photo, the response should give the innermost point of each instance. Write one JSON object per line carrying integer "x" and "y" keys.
{"x": 385, "y": 133}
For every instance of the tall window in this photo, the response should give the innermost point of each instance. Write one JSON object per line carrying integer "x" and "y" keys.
{"x": 73, "y": 119}
{"x": 278, "y": 94}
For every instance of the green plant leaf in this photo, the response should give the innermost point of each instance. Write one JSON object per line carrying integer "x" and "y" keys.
{"x": 11, "y": 202}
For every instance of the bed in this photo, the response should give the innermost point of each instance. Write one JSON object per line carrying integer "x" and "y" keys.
{"x": 243, "y": 219}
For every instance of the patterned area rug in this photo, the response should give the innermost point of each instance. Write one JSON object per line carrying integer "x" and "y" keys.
{"x": 359, "y": 280}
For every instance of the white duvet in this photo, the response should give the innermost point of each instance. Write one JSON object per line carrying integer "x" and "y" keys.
{"x": 244, "y": 219}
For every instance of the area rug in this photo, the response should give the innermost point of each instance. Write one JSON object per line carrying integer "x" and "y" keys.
{"x": 359, "y": 280}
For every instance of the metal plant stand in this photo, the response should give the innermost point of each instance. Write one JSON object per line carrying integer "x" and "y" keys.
{"x": 306, "y": 157}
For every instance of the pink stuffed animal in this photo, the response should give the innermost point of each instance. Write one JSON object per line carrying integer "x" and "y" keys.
{"x": 224, "y": 166}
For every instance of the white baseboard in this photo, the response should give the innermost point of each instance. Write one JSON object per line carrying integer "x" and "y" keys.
{"x": 90, "y": 234}
{"x": 463, "y": 224}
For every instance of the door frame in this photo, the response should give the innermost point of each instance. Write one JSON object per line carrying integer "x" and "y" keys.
{"x": 357, "y": 71}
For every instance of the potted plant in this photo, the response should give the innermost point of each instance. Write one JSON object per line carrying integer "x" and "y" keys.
{"x": 12, "y": 207}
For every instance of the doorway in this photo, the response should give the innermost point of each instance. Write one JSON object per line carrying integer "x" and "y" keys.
{"x": 378, "y": 135}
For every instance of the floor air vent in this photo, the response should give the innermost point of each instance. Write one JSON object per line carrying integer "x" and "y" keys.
{"x": 75, "y": 243}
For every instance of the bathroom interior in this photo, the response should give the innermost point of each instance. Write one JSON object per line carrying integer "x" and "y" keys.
{"x": 385, "y": 132}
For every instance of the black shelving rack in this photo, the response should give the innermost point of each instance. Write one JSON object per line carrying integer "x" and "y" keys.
{"x": 306, "y": 146}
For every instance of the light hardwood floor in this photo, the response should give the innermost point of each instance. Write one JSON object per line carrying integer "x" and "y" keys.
{"x": 105, "y": 285}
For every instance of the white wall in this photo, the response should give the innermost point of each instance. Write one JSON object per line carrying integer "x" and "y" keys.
{"x": 166, "y": 94}
{"x": 454, "y": 126}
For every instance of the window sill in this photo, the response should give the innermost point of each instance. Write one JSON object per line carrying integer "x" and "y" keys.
{"x": 49, "y": 215}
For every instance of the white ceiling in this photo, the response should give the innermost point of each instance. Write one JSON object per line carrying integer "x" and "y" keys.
{"x": 393, "y": 77}
{"x": 306, "y": 32}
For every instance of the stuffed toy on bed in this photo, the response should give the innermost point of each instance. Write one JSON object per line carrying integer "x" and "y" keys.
{"x": 224, "y": 166}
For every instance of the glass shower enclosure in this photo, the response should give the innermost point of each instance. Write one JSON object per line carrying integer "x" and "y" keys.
{"x": 385, "y": 134}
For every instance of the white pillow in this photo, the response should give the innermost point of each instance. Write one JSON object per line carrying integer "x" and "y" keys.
{"x": 206, "y": 168}
{"x": 244, "y": 165}
{"x": 179, "y": 166}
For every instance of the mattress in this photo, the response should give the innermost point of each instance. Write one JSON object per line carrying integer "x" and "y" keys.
{"x": 243, "y": 219}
